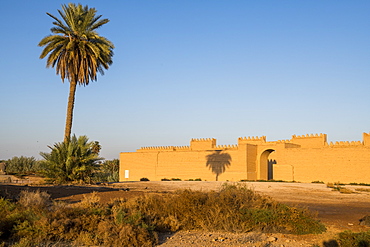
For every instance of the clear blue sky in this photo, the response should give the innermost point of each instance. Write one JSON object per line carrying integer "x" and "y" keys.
{"x": 192, "y": 69}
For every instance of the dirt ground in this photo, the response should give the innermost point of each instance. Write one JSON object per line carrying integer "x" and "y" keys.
{"x": 338, "y": 211}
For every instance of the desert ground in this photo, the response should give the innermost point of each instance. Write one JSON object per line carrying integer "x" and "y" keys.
{"x": 338, "y": 211}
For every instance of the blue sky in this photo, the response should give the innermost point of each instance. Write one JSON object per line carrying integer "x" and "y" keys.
{"x": 192, "y": 69}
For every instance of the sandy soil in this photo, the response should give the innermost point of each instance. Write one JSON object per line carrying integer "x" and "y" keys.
{"x": 336, "y": 210}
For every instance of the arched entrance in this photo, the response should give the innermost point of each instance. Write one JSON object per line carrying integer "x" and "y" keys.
{"x": 266, "y": 165}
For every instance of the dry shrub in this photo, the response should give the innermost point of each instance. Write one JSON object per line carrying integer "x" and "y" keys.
{"x": 95, "y": 225}
{"x": 337, "y": 187}
{"x": 77, "y": 225}
{"x": 124, "y": 234}
{"x": 34, "y": 199}
{"x": 235, "y": 208}
{"x": 345, "y": 190}
{"x": 133, "y": 222}
{"x": 365, "y": 221}
{"x": 362, "y": 190}
{"x": 330, "y": 185}
{"x": 90, "y": 200}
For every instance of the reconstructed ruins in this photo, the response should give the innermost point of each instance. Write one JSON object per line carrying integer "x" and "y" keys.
{"x": 305, "y": 158}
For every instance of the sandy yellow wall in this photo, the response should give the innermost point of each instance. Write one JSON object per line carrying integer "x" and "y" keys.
{"x": 139, "y": 165}
{"x": 303, "y": 158}
{"x": 179, "y": 164}
{"x": 329, "y": 164}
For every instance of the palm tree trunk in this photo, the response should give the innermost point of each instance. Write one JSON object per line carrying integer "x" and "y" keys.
{"x": 71, "y": 103}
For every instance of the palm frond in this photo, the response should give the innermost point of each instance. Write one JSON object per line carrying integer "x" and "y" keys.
{"x": 76, "y": 49}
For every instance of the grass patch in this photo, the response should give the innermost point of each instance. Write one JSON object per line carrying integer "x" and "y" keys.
{"x": 38, "y": 221}
{"x": 338, "y": 187}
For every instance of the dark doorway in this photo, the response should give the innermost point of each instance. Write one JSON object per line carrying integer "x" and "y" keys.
{"x": 266, "y": 169}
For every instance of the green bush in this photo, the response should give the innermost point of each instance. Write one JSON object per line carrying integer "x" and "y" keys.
{"x": 144, "y": 179}
{"x": 350, "y": 239}
{"x": 22, "y": 165}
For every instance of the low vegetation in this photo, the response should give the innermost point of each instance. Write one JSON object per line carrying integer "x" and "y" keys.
{"x": 22, "y": 165}
{"x": 234, "y": 208}
{"x": 317, "y": 182}
{"x": 362, "y": 184}
{"x": 362, "y": 190}
{"x": 340, "y": 188}
{"x": 350, "y": 239}
{"x": 195, "y": 179}
{"x": 35, "y": 219}
{"x": 172, "y": 179}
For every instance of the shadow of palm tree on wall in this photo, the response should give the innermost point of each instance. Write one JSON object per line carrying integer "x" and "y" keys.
{"x": 218, "y": 162}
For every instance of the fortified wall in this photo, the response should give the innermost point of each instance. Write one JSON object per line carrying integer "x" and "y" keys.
{"x": 305, "y": 158}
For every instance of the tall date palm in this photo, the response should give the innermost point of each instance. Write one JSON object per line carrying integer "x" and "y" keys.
{"x": 76, "y": 50}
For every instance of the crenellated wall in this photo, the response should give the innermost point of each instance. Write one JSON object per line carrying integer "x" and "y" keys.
{"x": 303, "y": 158}
{"x": 251, "y": 140}
{"x": 202, "y": 144}
{"x": 310, "y": 141}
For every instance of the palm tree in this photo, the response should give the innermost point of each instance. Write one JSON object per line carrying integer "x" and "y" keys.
{"x": 76, "y": 50}
{"x": 74, "y": 160}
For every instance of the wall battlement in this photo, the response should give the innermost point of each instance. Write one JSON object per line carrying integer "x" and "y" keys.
{"x": 202, "y": 143}
{"x": 345, "y": 144}
{"x": 366, "y": 139}
{"x": 157, "y": 148}
{"x": 321, "y": 135}
{"x": 251, "y": 140}
{"x": 227, "y": 147}
{"x": 203, "y": 139}
{"x": 310, "y": 140}
{"x": 179, "y": 148}
{"x": 304, "y": 141}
